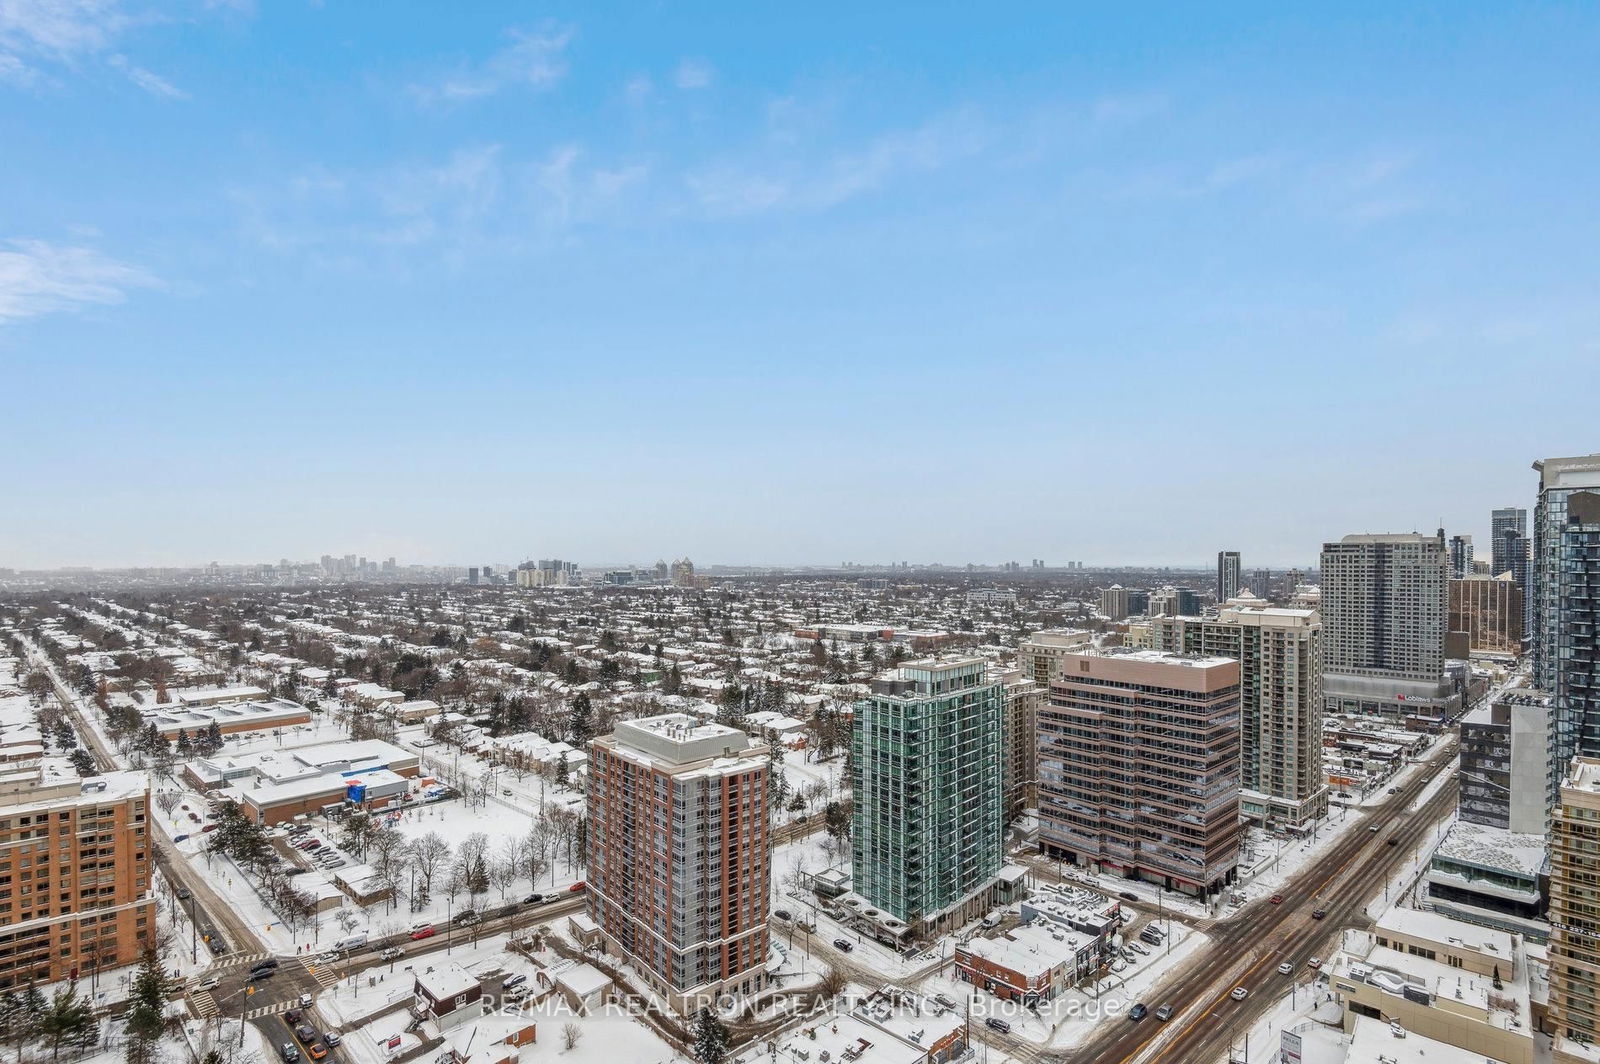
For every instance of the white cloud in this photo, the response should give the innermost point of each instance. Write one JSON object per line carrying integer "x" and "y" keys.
{"x": 38, "y": 277}
{"x": 38, "y": 37}
{"x": 154, "y": 84}
{"x": 638, "y": 89}
{"x": 800, "y": 183}
{"x": 692, "y": 74}
{"x": 536, "y": 59}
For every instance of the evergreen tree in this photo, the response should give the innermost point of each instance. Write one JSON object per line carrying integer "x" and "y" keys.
{"x": 185, "y": 747}
{"x": 146, "y": 1014}
{"x": 65, "y": 1019}
{"x": 213, "y": 738}
{"x": 562, "y": 772}
{"x": 710, "y": 1038}
{"x": 82, "y": 762}
{"x": 580, "y": 721}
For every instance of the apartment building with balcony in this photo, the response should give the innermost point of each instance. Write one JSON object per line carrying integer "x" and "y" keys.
{"x": 1139, "y": 766}
{"x": 1566, "y": 600}
{"x": 1279, "y": 651}
{"x": 929, "y": 779}
{"x": 680, "y": 854}
{"x": 75, "y": 875}
{"x": 1574, "y": 1011}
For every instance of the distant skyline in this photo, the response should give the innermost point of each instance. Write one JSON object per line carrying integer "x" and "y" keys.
{"x": 786, "y": 286}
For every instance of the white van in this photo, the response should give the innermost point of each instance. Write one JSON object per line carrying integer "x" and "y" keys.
{"x": 350, "y": 942}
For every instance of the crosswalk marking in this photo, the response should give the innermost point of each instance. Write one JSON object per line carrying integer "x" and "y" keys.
{"x": 325, "y": 974}
{"x": 204, "y": 1004}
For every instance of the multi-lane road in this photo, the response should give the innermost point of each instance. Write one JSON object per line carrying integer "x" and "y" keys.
{"x": 1247, "y": 947}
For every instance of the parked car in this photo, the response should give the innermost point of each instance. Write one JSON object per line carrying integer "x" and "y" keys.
{"x": 843, "y": 945}
{"x": 514, "y": 982}
{"x": 467, "y": 918}
{"x": 1239, "y": 993}
{"x": 1138, "y": 1012}
{"x": 421, "y": 931}
{"x": 782, "y": 914}
{"x": 533, "y": 899}
{"x": 579, "y": 887}
{"x": 1164, "y": 1013}
{"x": 997, "y": 1024}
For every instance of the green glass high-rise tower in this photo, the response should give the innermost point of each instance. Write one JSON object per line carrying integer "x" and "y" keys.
{"x": 928, "y": 787}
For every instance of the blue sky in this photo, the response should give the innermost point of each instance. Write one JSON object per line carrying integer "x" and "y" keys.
{"x": 786, "y": 283}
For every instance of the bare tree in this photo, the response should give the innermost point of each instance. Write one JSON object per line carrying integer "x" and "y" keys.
{"x": 430, "y": 854}
{"x": 570, "y": 1033}
{"x": 503, "y": 870}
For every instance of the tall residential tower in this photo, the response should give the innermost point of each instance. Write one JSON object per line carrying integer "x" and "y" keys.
{"x": 1280, "y": 702}
{"x": 1566, "y": 600}
{"x": 1384, "y": 609}
{"x": 680, "y": 859}
{"x": 928, "y": 790}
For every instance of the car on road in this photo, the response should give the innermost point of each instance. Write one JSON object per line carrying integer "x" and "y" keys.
{"x": 421, "y": 931}
{"x": 783, "y": 914}
{"x": 289, "y": 1053}
{"x": 995, "y": 1023}
{"x": 327, "y": 958}
{"x": 1138, "y": 1012}
{"x": 533, "y": 899}
{"x": 305, "y": 1033}
{"x": 1128, "y": 895}
{"x": 317, "y": 1051}
{"x": 1164, "y": 1013}
{"x": 391, "y": 953}
{"x": 466, "y": 919}
{"x": 843, "y": 945}
{"x": 579, "y": 887}
{"x": 1285, "y": 968}
{"x": 1277, "y": 899}
{"x": 1373, "y": 829}
{"x": 1239, "y": 993}
{"x": 258, "y": 974}
{"x": 1317, "y": 914}
{"x": 1394, "y": 790}
{"x": 293, "y": 1016}
{"x": 331, "y": 1037}
{"x": 305, "y": 1001}
{"x": 210, "y": 982}
{"x": 270, "y": 962}
{"x": 1314, "y": 963}
{"x": 183, "y": 894}
{"x": 1394, "y": 840}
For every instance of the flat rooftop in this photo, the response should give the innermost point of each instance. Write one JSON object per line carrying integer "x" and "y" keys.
{"x": 679, "y": 739}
